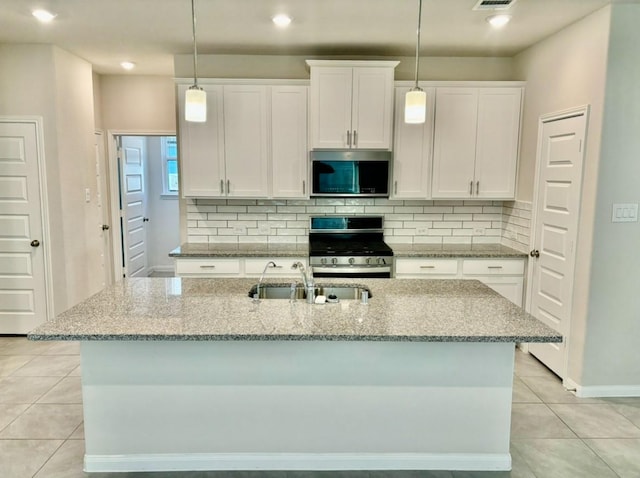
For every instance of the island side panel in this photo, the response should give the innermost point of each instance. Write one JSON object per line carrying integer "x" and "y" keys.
{"x": 296, "y": 405}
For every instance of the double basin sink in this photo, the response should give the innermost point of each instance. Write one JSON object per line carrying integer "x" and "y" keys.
{"x": 331, "y": 291}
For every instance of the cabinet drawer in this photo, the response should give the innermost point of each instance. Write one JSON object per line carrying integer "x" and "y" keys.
{"x": 490, "y": 267}
{"x": 254, "y": 267}
{"x": 208, "y": 267}
{"x": 427, "y": 266}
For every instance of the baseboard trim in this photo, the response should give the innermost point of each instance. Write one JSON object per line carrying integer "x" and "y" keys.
{"x": 297, "y": 461}
{"x": 599, "y": 391}
{"x": 161, "y": 269}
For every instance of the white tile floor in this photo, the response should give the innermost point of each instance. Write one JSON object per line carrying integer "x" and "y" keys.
{"x": 554, "y": 433}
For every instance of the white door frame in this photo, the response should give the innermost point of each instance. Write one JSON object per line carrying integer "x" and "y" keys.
{"x": 545, "y": 118}
{"x": 114, "y": 191}
{"x": 38, "y": 123}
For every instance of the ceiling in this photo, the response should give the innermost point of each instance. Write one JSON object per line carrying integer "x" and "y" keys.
{"x": 150, "y": 32}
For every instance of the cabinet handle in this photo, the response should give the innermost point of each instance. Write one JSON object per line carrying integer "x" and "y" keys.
{"x": 395, "y": 187}
{"x": 355, "y": 138}
{"x": 477, "y": 187}
{"x": 348, "y": 138}
{"x": 304, "y": 187}
{"x": 470, "y": 188}
{"x": 222, "y": 186}
{"x": 427, "y": 267}
{"x": 228, "y": 186}
{"x": 207, "y": 267}
{"x": 494, "y": 267}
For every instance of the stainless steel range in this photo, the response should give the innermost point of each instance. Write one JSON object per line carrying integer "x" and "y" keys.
{"x": 349, "y": 246}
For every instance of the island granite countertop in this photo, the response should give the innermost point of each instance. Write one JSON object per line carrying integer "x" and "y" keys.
{"x": 185, "y": 309}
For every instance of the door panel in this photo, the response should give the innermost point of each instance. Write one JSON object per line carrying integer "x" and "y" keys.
{"x": 134, "y": 205}
{"x": 557, "y": 212}
{"x": 23, "y": 301}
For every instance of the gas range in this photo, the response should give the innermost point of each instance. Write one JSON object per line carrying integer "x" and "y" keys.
{"x": 349, "y": 246}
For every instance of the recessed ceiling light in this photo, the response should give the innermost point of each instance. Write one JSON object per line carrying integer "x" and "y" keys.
{"x": 43, "y": 15}
{"x": 128, "y": 65}
{"x": 281, "y": 20}
{"x": 498, "y": 21}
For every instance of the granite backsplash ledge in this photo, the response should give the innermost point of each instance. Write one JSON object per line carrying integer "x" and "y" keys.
{"x": 406, "y": 222}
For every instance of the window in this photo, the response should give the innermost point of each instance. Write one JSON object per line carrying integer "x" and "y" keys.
{"x": 170, "y": 165}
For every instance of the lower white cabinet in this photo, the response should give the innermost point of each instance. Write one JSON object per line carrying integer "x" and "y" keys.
{"x": 505, "y": 276}
{"x": 237, "y": 266}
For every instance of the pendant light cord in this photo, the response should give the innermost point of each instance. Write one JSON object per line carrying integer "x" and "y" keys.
{"x": 195, "y": 48}
{"x": 418, "y": 41}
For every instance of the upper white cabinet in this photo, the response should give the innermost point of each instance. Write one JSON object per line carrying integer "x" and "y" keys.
{"x": 253, "y": 144}
{"x": 289, "y": 141}
{"x": 476, "y": 142}
{"x": 413, "y": 144}
{"x": 351, "y": 104}
{"x": 202, "y": 172}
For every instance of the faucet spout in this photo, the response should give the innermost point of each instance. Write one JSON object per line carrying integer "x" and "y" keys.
{"x": 307, "y": 280}
{"x": 264, "y": 272}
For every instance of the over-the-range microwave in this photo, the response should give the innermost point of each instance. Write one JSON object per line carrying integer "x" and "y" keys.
{"x": 350, "y": 173}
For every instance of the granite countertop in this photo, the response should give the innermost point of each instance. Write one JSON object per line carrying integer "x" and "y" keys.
{"x": 456, "y": 250}
{"x": 293, "y": 250}
{"x": 220, "y": 309}
{"x": 240, "y": 250}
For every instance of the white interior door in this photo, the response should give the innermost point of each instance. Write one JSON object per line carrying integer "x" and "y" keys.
{"x": 133, "y": 193}
{"x": 23, "y": 301}
{"x": 560, "y": 158}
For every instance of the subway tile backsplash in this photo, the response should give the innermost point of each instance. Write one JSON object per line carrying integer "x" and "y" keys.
{"x": 426, "y": 222}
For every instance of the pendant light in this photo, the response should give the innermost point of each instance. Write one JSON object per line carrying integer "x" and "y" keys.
{"x": 415, "y": 102}
{"x": 195, "y": 98}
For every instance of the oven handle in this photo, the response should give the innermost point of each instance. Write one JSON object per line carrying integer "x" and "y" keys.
{"x": 351, "y": 270}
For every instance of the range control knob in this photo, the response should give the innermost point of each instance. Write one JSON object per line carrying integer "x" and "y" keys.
{"x": 368, "y": 260}
{"x": 381, "y": 260}
{"x": 334, "y": 260}
{"x": 351, "y": 260}
{"x": 323, "y": 260}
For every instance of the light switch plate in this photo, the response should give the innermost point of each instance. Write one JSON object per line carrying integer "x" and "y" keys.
{"x": 625, "y": 213}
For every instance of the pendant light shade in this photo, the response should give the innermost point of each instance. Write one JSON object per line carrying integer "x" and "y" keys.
{"x": 195, "y": 105}
{"x": 415, "y": 102}
{"x": 195, "y": 98}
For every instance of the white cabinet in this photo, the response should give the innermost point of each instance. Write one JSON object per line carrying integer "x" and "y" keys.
{"x": 476, "y": 142}
{"x": 289, "y": 142}
{"x": 351, "y": 104}
{"x": 504, "y": 275}
{"x": 253, "y": 144}
{"x": 237, "y": 266}
{"x": 201, "y": 148}
{"x": 412, "y": 148}
{"x": 245, "y": 141}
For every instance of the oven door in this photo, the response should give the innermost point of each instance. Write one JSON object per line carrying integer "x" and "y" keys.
{"x": 351, "y": 272}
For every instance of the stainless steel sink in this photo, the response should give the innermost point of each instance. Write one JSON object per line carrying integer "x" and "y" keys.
{"x": 283, "y": 291}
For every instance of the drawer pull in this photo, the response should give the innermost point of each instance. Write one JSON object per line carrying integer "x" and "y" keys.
{"x": 427, "y": 267}
{"x": 207, "y": 267}
{"x": 494, "y": 267}
{"x": 277, "y": 267}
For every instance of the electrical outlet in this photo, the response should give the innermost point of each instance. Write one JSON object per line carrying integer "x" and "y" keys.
{"x": 240, "y": 230}
{"x": 479, "y": 231}
{"x": 422, "y": 231}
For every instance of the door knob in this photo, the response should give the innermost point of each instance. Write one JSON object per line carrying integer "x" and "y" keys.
{"x": 105, "y": 227}
{"x": 145, "y": 219}
{"x": 35, "y": 243}
{"x": 535, "y": 253}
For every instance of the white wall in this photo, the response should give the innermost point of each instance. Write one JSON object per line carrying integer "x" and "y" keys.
{"x": 46, "y": 81}
{"x": 612, "y": 354}
{"x": 294, "y": 67}
{"x": 163, "y": 230}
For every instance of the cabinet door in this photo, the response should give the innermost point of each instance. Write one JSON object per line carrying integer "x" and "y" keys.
{"x": 330, "y": 107}
{"x": 454, "y": 142}
{"x": 201, "y": 149}
{"x": 246, "y": 141}
{"x": 372, "y": 108}
{"x": 497, "y": 145}
{"x": 412, "y": 151}
{"x": 289, "y": 141}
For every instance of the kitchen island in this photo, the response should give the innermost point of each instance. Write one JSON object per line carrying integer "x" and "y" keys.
{"x": 192, "y": 374}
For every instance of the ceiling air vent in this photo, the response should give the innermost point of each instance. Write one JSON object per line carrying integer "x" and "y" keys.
{"x": 494, "y": 4}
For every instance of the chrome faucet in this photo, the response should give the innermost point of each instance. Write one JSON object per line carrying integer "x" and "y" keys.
{"x": 307, "y": 280}
{"x": 264, "y": 272}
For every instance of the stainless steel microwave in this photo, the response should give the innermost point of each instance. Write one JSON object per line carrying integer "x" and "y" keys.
{"x": 350, "y": 173}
